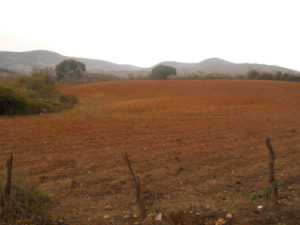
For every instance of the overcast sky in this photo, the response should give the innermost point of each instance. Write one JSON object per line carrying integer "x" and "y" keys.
{"x": 145, "y": 32}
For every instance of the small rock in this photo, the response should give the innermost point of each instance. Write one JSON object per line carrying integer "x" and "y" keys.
{"x": 135, "y": 216}
{"x": 260, "y": 208}
{"x": 136, "y": 223}
{"x": 127, "y": 216}
{"x": 108, "y": 207}
{"x": 158, "y": 217}
{"x": 220, "y": 221}
{"x": 229, "y": 216}
{"x": 198, "y": 214}
{"x": 61, "y": 222}
{"x": 151, "y": 215}
{"x": 106, "y": 217}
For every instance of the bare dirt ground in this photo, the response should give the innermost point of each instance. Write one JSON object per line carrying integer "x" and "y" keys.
{"x": 196, "y": 145}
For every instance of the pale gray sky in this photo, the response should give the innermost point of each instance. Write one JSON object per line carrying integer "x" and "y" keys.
{"x": 145, "y": 32}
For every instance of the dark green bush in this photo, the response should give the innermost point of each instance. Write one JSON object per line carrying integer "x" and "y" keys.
{"x": 38, "y": 93}
{"x": 68, "y": 100}
{"x": 11, "y": 102}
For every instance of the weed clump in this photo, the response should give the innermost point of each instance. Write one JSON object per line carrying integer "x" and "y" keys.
{"x": 26, "y": 205}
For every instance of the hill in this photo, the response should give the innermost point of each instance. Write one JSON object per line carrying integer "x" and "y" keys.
{"x": 216, "y": 65}
{"x": 23, "y": 61}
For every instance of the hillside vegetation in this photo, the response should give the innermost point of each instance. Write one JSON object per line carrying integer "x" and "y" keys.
{"x": 38, "y": 93}
{"x": 4, "y": 74}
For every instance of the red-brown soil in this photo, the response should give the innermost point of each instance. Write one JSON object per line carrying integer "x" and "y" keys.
{"x": 196, "y": 144}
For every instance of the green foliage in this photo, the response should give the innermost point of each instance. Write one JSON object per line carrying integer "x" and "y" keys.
{"x": 35, "y": 94}
{"x": 257, "y": 75}
{"x": 69, "y": 68}
{"x": 27, "y": 205}
{"x": 251, "y": 75}
{"x": 268, "y": 192}
{"x": 161, "y": 72}
{"x": 11, "y": 102}
{"x": 254, "y": 197}
{"x": 89, "y": 77}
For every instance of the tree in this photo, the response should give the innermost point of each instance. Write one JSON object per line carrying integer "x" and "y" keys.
{"x": 253, "y": 74}
{"x": 69, "y": 68}
{"x": 161, "y": 72}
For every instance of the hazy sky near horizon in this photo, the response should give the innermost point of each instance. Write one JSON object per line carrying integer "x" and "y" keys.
{"x": 145, "y": 32}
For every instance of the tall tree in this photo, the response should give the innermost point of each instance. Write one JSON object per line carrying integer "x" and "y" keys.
{"x": 69, "y": 68}
{"x": 161, "y": 72}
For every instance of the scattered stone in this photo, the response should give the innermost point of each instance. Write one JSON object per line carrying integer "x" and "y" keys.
{"x": 158, "y": 217}
{"x": 135, "y": 216}
{"x": 260, "y": 208}
{"x": 136, "y": 223}
{"x": 106, "y": 217}
{"x": 151, "y": 215}
{"x": 198, "y": 214}
{"x": 229, "y": 216}
{"x": 61, "y": 222}
{"x": 127, "y": 216}
{"x": 220, "y": 221}
{"x": 108, "y": 207}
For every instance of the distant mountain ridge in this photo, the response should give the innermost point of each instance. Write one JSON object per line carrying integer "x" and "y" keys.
{"x": 216, "y": 65}
{"x": 23, "y": 62}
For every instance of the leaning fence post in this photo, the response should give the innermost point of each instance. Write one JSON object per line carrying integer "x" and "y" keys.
{"x": 272, "y": 180}
{"x": 137, "y": 185}
{"x": 9, "y": 169}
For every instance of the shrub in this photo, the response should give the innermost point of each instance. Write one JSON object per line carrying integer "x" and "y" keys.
{"x": 11, "y": 102}
{"x": 27, "y": 206}
{"x": 38, "y": 93}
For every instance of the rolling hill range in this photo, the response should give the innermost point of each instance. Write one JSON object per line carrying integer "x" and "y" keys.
{"x": 22, "y": 62}
{"x": 216, "y": 65}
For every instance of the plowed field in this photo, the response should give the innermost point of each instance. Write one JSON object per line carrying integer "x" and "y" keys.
{"x": 193, "y": 144}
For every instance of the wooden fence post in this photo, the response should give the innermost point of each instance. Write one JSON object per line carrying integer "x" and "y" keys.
{"x": 272, "y": 180}
{"x": 137, "y": 184}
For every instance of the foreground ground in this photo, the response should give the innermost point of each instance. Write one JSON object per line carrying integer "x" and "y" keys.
{"x": 195, "y": 144}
